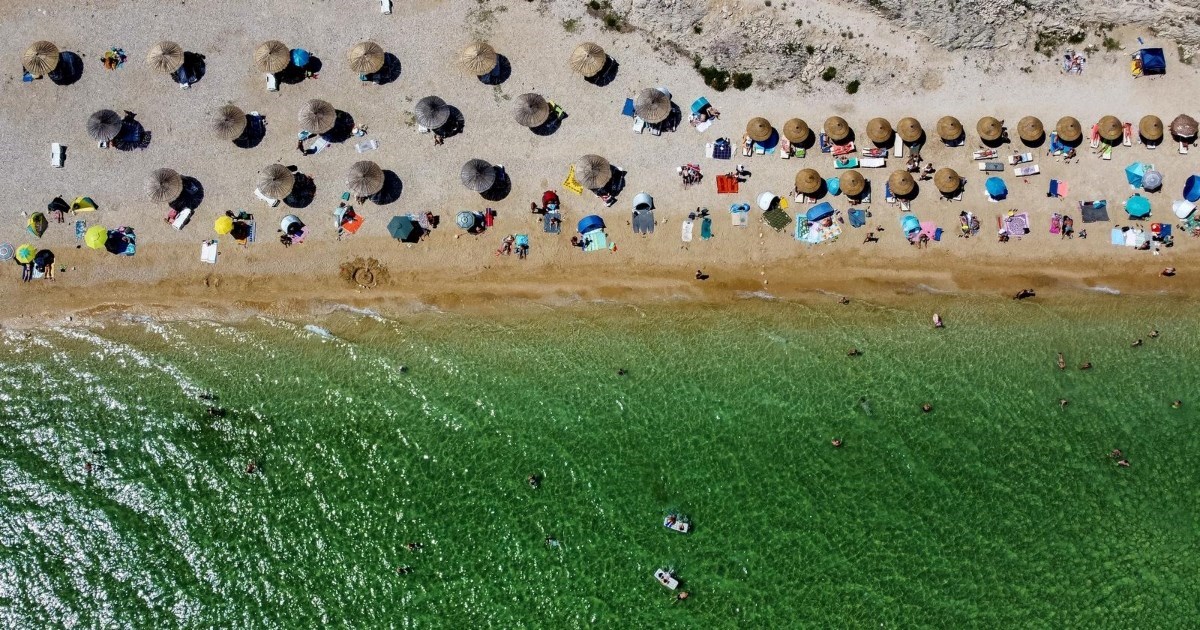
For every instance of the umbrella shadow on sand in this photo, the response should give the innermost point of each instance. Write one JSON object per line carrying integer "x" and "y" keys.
{"x": 294, "y": 74}
{"x": 69, "y": 69}
{"x": 392, "y": 187}
{"x": 191, "y": 196}
{"x": 343, "y": 126}
{"x": 193, "y": 66}
{"x": 606, "y": 74}
{"x": 550, "y": 126}
{"x": 389, "y": 73}
{"x": 253, "y": 134}
{"x": 304, "y": 190}
{"x": 501, "y": 188}
{"x": 499, "y": 74}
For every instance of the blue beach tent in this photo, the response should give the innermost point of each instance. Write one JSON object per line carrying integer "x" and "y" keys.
{"x": 1153, "y": 61}
{"x": 1134, "y": 173}
{"x": 819, "y": 211}
{"x": 589, "y": 223}
{"x": 996, "y": 189}
{"x": 909, "y": 224}
{"x": 1191, "y": 188}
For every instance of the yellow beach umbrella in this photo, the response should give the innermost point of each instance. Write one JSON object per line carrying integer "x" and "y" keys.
{"x": 96, "y": 236}
{"x": 223, "y": 225}
{"x": 879, "y": 131}
{"x": 25, "y": 254}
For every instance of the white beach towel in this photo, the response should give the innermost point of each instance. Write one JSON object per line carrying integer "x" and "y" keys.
{"x": 701, "y": 127}
{"x": 687, "y": 231}
{"x": 208, "y": 252}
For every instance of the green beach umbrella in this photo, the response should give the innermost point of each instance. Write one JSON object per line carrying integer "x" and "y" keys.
{"x": 25, "y": 254}
{"x": 96, "y": 236}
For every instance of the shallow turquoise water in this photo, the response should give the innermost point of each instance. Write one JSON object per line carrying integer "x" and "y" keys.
{"x": 999, "y": 508}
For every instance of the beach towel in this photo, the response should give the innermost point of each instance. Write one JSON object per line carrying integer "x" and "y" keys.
{"x": 706, "y": 228}
{"x": 521, "y": 240}
{"x": 740, "y": 219}
{"x": 627, "y": 110}
{"x": 801, "y": 231}
{"x": 1056, "y": 223}
{"x": 643, "y": 221}
{"x": 686, "y": 231}
{"x": 571, "y": 184}
{"x": 1017, "y": 225}
{"x": 777, "y": 218}
{"x": 722, "y": 149}
{"x": 550, "y": 226}
{"x": 596, "y": 240}
{"x": 1093, "y": 211}
{"x": 1056, "y": 147}
{"x": 80, "y": 228}
{"x": 1058, "y": 188}
{"x": 208, "y": 252}
{"x": 320, "y": 145}
{"x": 703, "y": 126}
{"x": 858, "y": 218}
{"x": 726, "y": 184}
{"x": 1117, "y": 237}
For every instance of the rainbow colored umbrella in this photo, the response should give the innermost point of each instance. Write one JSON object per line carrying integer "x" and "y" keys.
{"x": 96, "y": 236}
{"x": 25, "y": 254}
{"x": 224, "y": 225}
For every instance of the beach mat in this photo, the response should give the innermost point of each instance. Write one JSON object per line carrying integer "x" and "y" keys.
{"x": 686, "y": 231}
{"x": 571, "y": 184}
{"x": 726, "y": 184}
{"x": 597, "y": 240}
{"x": 643, "y": 222}
{"x": 1017, "y": 225}
{"x": 706, "y": 228}
{"x": 1093, "y": 212}
{"x": 777, "y": 218}
{"x": 549, "y": 227}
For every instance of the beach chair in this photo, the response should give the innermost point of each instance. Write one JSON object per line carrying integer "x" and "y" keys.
{"x": 272, "y": 83}
{"x": 887, "y": 194}
{"x": 385, "y": 7}
{"x": 1183, "y": 148}
{"x": 1020, "y": 158}
{"x": 208, "y": 252}
{"x": 639, "y": 125}
{"x": 898, "y": 146}
{"x": 270, "y": 202}
{"x": 1095, "y": 136}
{"x": 991, "y": 166}
{"x": 182, "y": 218}
{"x": 366, "y": 145}
{"x": 876, "y": 162}
{"x": 56, "y": 155}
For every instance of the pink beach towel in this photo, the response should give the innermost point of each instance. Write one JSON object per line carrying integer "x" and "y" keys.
{"x": 1055, "y": 223}
{"x": 930, "y": 229}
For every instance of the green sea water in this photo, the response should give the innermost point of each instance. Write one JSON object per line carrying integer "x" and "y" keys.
{"x": 998, "y": 509}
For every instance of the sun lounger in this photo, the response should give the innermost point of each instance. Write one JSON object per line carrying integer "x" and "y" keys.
{"x": 272, "y": 83}
{"x": 654, "y": 130}
{"x": 56, "y": 155}
{"x": 991, "y": 166}
{"x": 270, "y": 202}
{"x": 1183, "y": 148}
{"x": 366, "y": 145}
{"x": 385, "y": 7}
{"x": 842, "y": 149}
{"x": 1026, "y": 171}
{"x": 1020, "y": 158}
{"x": 874, "y": 152}
{"x": 985, "y": 154}
{"x": 208, "y": 252}
{"x": 844, "y": 162}
{"x": 552, "y": 223}
{"x": 872, "y": 163}
{"x": 182, "y": 218}
{"x": 1106, "y": 154}
{"x": 898, "y": 146}
{"x": 823, "y": 142}
{"x": 639, "y": 125}
{"x": 887, "y": 194}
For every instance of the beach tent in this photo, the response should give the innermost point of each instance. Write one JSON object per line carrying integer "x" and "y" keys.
{"x": 1138, "y": 207}
{"x": 1191, "y": 188}
{"x": 37, "y": 224}
{"x": 1134, "y": 174}
{"x": 996, "y": 189}
{"x": 820, "y": 211}
{"x": 402, "y": 228}
{"x": 1183, "y": 209}
{"x": 589, "y": 223}
{"x": 767, "y": 200}
{"x": 95, "y": 237}
{"x": 643, "y": 202}
{"x": 291, "y": 224}
{"x": 1153, "y": 60}
{"x": 909, "y": 225}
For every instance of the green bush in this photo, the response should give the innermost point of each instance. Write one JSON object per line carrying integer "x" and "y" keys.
{"x": 742, "y": 80}
{"x": 829, "y": 74}
{"x": 852, "y": 87}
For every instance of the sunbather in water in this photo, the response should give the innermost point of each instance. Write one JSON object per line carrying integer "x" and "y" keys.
{"x": 1062, "y": 362}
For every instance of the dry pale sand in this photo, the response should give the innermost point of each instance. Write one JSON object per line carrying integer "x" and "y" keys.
{"x": 449, "y": 269}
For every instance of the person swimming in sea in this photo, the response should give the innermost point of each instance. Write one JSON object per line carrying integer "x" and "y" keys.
{"x": 854, "y": 352}
{"x": 926, "y": 408}
{"x": 1063, "y": 402}
{"x": 1136, "y": 343}
{"x": 251, "y": 468}
{"x": 681, "y": 596}
{"x": 1115, "y": 453}
{"x": 622, "y": 372}
{"x": 534, "y": 480}
{"x": 1124, "y": 463}
{"x": 413, "y": 546}
{"x": 1086, "y": 365}
{"x": 552, "y": 542}
{"x": 1062, "y": 361}
{"x": 1154, "y": 333}
{"x": 1177, "y": 404}
{"x": 836, "y": 443}
{"x": 404, "y": 570}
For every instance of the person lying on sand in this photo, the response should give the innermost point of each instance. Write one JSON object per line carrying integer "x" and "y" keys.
{"x": 871, "y": 238}
{"x": 1167, "y": 273}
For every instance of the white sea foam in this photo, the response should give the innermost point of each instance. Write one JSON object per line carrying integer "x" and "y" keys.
{"x": 1108, "y": 290}
{"x": 755, "y": 295}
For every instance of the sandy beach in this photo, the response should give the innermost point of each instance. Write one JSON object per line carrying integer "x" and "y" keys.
{"x": 450, "y": 269}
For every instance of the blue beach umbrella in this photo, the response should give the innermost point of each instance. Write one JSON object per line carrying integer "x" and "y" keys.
{"x": 819, "y": 211}
{"x": 1134, "y": 173}
{"x": 996, "y": 188}
{"x": 300, "y": 57}
{"x": 401, "y": 228}
{"x": 1191, "y": 188}
{"x": 465, "y": 219}
{"x": 1138, "y": 207}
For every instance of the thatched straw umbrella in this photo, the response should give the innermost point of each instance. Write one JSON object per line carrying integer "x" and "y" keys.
{"x": 531, "y": 110}
{"x": 759, "y": 129}
{"x": 478, "y": 175}
{"x": 163, "y": 185}
{"x": 989, "y": 129}
{"x": 836, "y": 128}
{"x": 808, "y": 181}
{"x": 1184, "y": 126}
{"x": 947, "y": 181}
{"x": 1111, "y": 128}
{"x": 478, "y": 58}
{"x": 796, "y": 131}
{"x": 1150, "y": 127}
{"x": 276, "y": 181}
{"x": 364, "y": 178}
{"x": 909, "y": 129}
{"x": 165, "y": 56}
{"x": 652, "y": 105}
{"x": 593, "y": 171}
{"x": 104, "y": 125}
{"x": 366, "y": 57}
{"x": 879, "y": 131}
{"x": 431, "y": 112}
{"x": 272, "y": 56}
{"x": 317, "y": 116}
{"x": 588, "y": 59}
{"x": 40, "y": 58}
{"x": 949, "y": 128}
{"x": 853, "y": 183}
{"x": 229, "y": 122}
{"x": 1030, "y": 129}
{"x": 1068, "y": 129}
{"x": 901, "y": 183}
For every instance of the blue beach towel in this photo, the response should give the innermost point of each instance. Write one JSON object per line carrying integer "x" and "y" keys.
{"x": 706, "y": 228}
{"x": 858, "y": 218}
{"x": 628, "y": 109}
